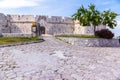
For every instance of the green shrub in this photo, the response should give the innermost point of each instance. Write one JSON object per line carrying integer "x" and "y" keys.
{"x": 104, "y": 33}
{"x": 78, "y": 36}
{"x": 14, "y": 40}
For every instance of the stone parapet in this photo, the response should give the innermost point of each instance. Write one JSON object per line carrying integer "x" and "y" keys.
{"x": 16, "y": 35}
{"x": 21, "y": 18}
{"x": 55, "y": 19}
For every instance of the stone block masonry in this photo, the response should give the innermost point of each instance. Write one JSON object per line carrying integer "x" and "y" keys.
{"x": 91, "y": 42}
{"x": 53, "y": 25}
{"x": 56, "y": 25}
{"x": 55, "y": 60}
{"x": 86, "y": 30}
{"x": 20, "y": 23}
{"x": 3, "y": 22}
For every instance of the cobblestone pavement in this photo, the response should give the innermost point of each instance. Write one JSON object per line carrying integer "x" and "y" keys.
{"x": 55, "y": 60}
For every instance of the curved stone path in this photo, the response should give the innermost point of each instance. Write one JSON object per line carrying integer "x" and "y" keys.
{"x": 56, "y": 60}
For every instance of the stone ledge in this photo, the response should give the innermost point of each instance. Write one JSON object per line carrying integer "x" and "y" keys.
{"x": 16, "y": 35}
{"x": 24, "y": 43}
{"x": 91, "y": 42}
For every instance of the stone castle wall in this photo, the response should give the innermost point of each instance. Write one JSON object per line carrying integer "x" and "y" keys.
{"x": 3, "y": 22}
{"x": 86, "y": 30}
{"x": 54, "y": 25}
{"x": 20, "y": 23}
{"x": 91, "y": 42}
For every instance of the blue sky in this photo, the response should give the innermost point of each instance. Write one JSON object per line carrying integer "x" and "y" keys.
{"x": 57, "y": 7}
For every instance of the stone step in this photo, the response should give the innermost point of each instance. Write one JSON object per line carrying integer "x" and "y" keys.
{"x": 46, "y": 35}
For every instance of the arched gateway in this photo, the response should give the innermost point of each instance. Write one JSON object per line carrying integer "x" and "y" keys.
{"x": 42, "y": 29}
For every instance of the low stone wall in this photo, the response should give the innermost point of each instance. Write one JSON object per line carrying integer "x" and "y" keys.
{"x": 92, "y": 42}
{"x": 16, "y": 35}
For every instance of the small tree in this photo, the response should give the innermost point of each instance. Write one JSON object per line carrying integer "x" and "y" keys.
{"x": 83, "y": 16}
{"x": 93, "y": 17}
{"x": 88, "y": 17}
{"x": 108, "y": 18}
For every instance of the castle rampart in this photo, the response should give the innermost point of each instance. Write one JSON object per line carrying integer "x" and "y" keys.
{"x": 54, "y": 25}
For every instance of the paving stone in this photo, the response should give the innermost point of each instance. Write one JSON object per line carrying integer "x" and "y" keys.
{"x": 56, "y": 60}
{"x": 19, "y": 78}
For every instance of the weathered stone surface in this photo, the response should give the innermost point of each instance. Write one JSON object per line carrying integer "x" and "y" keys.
{"x": 16, "y": 35}
{"x": 56, "y": 25}
{"x": 21, "y": 18}
{"x": 3, "y": 20}
{"x": 92, "y": 42}
{"x": 86, "y": 30}
{"x": 56, "y": 60}
{"x": 20, "y": 23}
{"x": 3, "y": 23}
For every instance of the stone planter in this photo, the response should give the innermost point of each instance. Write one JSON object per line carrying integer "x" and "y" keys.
{"x": 92, "y": 42}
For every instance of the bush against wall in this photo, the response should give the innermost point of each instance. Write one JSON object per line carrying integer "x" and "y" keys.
{"x": 104, "y": 33}
{"x": 92, "y": 17}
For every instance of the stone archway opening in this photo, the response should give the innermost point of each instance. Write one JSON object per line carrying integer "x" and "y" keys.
{"x": 42, "y": 29}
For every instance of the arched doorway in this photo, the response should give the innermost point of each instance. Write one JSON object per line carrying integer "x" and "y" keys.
{"x": 42, "y": 29}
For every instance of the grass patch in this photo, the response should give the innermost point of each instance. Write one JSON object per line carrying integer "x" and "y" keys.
{"x": 78, "y": 36}
{"x": 14, "y": 40}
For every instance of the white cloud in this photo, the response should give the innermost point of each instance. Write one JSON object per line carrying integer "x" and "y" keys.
{"x": 18, "y": 3}
{"x": 106, "y": 3}
{"x": 118, "y": 23}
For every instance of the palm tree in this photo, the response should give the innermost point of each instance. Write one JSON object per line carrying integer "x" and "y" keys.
{"x": 108, "y": 19}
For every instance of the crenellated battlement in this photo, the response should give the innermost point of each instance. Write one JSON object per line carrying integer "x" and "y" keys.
{"x": 21, "y": 18}
{"x": 55, "y": 19}
{"x": 32, "y": 18}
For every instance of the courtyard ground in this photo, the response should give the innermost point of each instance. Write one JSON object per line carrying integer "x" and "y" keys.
{"x": 56, "y": 60}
